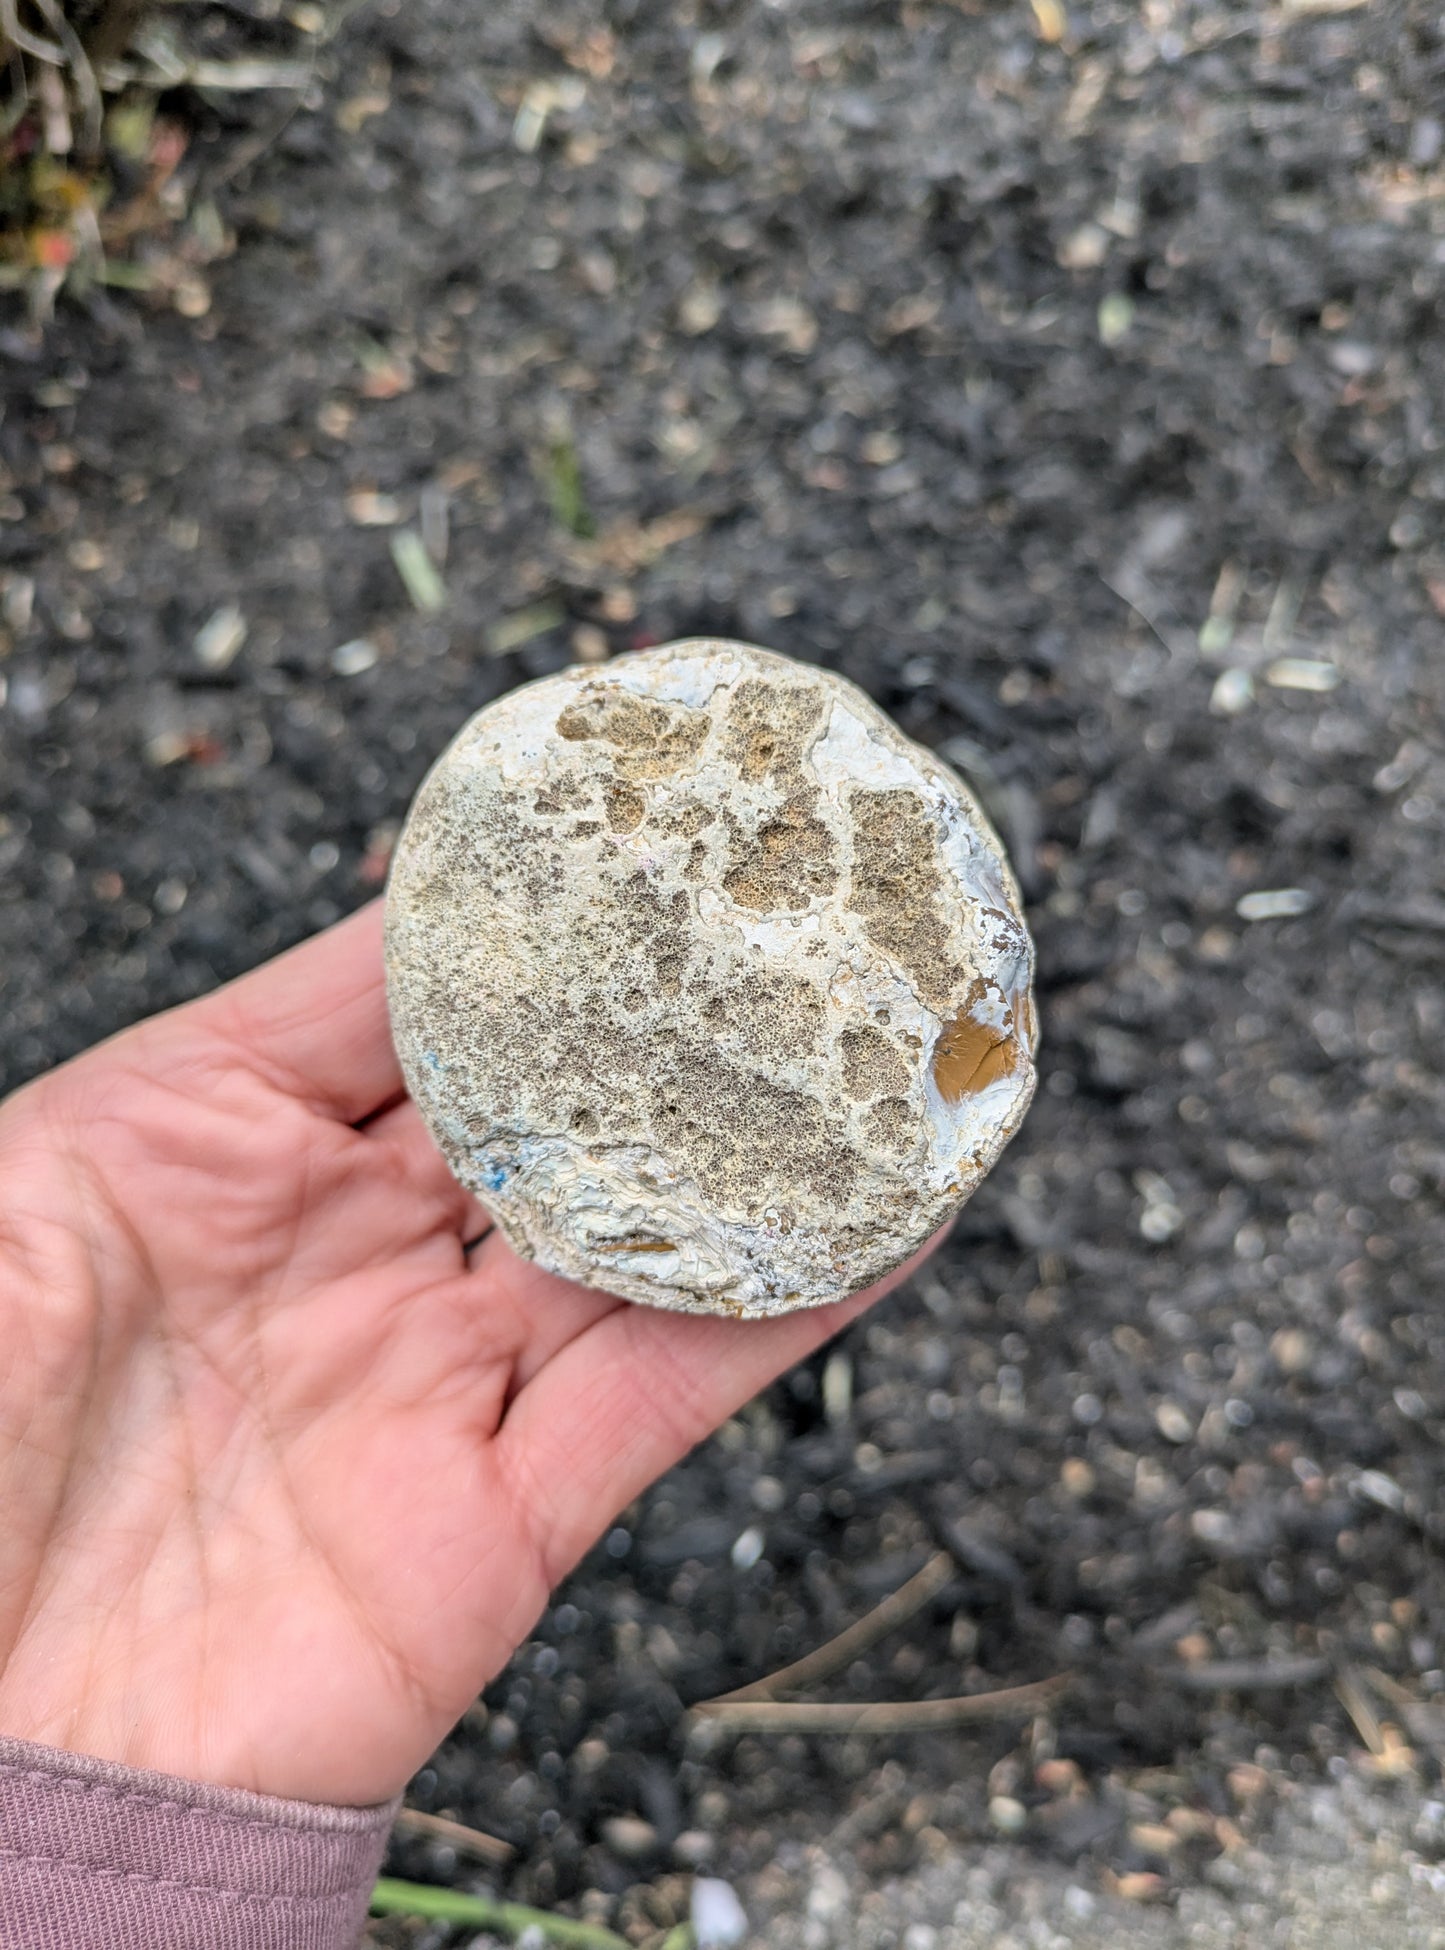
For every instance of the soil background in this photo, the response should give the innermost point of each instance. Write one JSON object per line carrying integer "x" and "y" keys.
{"x": 1076, "y": 384}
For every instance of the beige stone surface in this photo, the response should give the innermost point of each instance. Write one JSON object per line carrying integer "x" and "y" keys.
{"x": 709, "y": 983}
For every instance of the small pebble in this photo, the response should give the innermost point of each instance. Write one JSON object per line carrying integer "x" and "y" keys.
{"x": 718, "y": 1918}
{"x": 1427, "y": 137}
{"x": 1153, "y": 1837}
{"x": 1293, "y": 1349}
{"x": 1301, "y": 674}
{"x": 218, "y": 640}
{"x": 351, "y": 659}
{"x": 1411, "y": 758}
{"x": 693, "y": 1848}
{"x": 769, "y": 1495}
{"x": 700, "y": 309}
{"x": 708, "y": 51}
{"x": 1084, "y": 249}
{"x": 1160, "y": 1221}
{"x": 748, "y": 1549}
{"x": 1233, "y": 692}
{"x": 590, "y": 645}
{"x": 1008, "y": 1816}
{"x": 1377, "y": 1487}
{"x": 368, "y": 509}
{"x": 1172, "y": 1423}
{"x": 629, "y": 1837}
{"x": 1274, "y": 904}
{"x": 1116, "y": 315}
{"x": 17, "y": 602}
{"x": 1141, "y": 1886}
{"x": 837, "y": 1388}
{"x": 829, "y": 1897}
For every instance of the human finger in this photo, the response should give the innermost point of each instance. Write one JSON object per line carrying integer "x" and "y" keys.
{"x": 401, "y": 1131}
{"x": 549, "y": 1311}
{"x": 313, "y": 1022}
{"x": 622, "y": 1401}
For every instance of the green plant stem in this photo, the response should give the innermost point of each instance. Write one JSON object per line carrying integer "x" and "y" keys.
{"x": 393, "y": 1898}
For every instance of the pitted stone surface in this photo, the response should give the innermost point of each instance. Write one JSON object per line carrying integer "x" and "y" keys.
{"x": 709, "y": 983}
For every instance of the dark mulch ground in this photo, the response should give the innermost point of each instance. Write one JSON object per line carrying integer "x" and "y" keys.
{"x": 985, "y": 370}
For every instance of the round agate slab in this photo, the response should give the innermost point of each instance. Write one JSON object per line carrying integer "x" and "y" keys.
{"x": 711, "y": 985}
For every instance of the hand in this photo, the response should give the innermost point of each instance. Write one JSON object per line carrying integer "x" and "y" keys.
{"x": 292, "y": 1449}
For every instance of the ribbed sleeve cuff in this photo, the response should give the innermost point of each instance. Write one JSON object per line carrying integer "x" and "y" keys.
{"x": 99, "y": 1857}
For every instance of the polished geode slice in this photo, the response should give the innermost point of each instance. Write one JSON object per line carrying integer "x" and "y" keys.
{"x": 708, "y": 982}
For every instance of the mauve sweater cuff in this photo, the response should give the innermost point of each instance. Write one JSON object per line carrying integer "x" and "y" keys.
{"x": 99, "y": 1857}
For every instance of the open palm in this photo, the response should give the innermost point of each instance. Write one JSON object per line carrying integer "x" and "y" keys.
{"x": 292, "y": 1448}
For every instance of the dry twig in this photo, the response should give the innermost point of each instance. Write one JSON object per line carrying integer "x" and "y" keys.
{"x": 884, "y": 1716}
{"x": 467, "y": 1841}
{"x": 838, "y": 1652}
